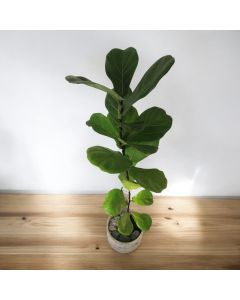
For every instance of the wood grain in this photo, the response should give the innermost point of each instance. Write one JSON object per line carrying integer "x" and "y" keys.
{"x": 68, "y": 232}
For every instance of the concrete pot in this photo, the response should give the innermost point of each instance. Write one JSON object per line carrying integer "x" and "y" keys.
{"x": 123, "y": 247}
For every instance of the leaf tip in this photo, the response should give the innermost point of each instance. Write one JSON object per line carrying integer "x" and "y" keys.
{"x": 68, "y": 78}
{"x": 172, "y": 59}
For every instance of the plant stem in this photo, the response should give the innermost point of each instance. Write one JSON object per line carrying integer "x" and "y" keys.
{"x": 129, "y": 201}
{"x": 123, "y": 148}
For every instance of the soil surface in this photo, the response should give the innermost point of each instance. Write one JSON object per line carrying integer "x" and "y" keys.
{"x": 112, "y": 226}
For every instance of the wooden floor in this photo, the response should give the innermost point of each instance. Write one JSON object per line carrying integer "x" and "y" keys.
{"x": 68, "y": 232}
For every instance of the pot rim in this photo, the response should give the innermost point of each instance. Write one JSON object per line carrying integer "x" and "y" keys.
{"x": 119, "y": 242}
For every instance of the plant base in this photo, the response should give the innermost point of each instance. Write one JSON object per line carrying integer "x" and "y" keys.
{"x": 122, "y": 247}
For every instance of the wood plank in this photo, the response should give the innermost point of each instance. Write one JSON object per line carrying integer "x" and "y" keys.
{"x": 68, "y": 232}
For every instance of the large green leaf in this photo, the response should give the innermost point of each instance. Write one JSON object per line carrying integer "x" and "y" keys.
{"x": 151, "y": 179}
{"x": 143, "y": 221}
{"x": 144, "y": 148}
{"x": 136, "y": 155}
{"x": 125, "y": 226}
{"x": 150, "y": 79}
{"x": 114, "y": 202}
{"x": 144, "y": 197}
{"x": 156, "y": 124}
{"x": 108, "y": 160}
{"x": 131, "y": 122}
{"x": 103, "y": 125}
{"x": 120, "y": 66}
{"x": 134, "y": 126}
{"x": 83, "y": 80}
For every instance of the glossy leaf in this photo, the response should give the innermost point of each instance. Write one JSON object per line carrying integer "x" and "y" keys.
{"x": 136, "y": 155}
{"x": 156, "y": 124}
{"x": 83, "y": 80}
{"x": 125, "y": 226}
{"x": 120, "y": 66}
{"x": 144, "y": 148}
{"x": 129, "y": 120}
{"x": 115, "y": 123}
{"x": 151, "y": 179}
{"x": 114, "y": 202}
{"x": 112, "y": 107}
{"x": 127, "y": 183}
{"x": 134, "y": 126}
{"x": 144, "y": 197}
{"x": 143, "y": 221}
{"x": 126, "y": 127}
{"x": 108, "y": 160}
{"x": 150, "y": 79}
{"x": 131, "y": 116}
{"x": 103, "y": 125}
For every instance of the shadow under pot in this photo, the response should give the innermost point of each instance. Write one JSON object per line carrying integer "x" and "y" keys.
{"x": 119, "y": 242}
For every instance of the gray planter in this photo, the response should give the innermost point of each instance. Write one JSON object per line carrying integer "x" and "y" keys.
{"x": 123, "y": 247}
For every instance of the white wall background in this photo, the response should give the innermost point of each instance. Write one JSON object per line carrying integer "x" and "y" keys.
{"x": 43, "y": 136}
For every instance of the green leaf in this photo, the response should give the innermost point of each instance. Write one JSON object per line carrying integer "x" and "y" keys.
{"x": 111, "y": 105}
{"x": 129, "y": 120}
{"x": 114, "y": 122}
{"x": 143, "y": 221}
{"x": 156, "y": 124}
{"x": 83, "y": 80}
{"x": 134, "y": 126}
{"x": 114, "y": 202}
{"x": 144, "y": 197}
{"x": 151, "y": 179}
{"x": 127, "y": 183}
{"x": 150, "y": 79}
{"x": 136, "y": 155}
{"x": 125, "y": 226}
{"x": 127, "y": 128}
{"x": 131, "y": 116}
{"x": 108, "y": 160}
{"x": 144, "y": 148}
{"x": 103, "y": 125}
{"x": 120, "y": 66}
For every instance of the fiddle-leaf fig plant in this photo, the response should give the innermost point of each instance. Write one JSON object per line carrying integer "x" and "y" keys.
{"x": 136, "y": 135}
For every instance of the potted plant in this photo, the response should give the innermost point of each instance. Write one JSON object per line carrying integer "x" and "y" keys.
{"x": 137, "y": 136}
